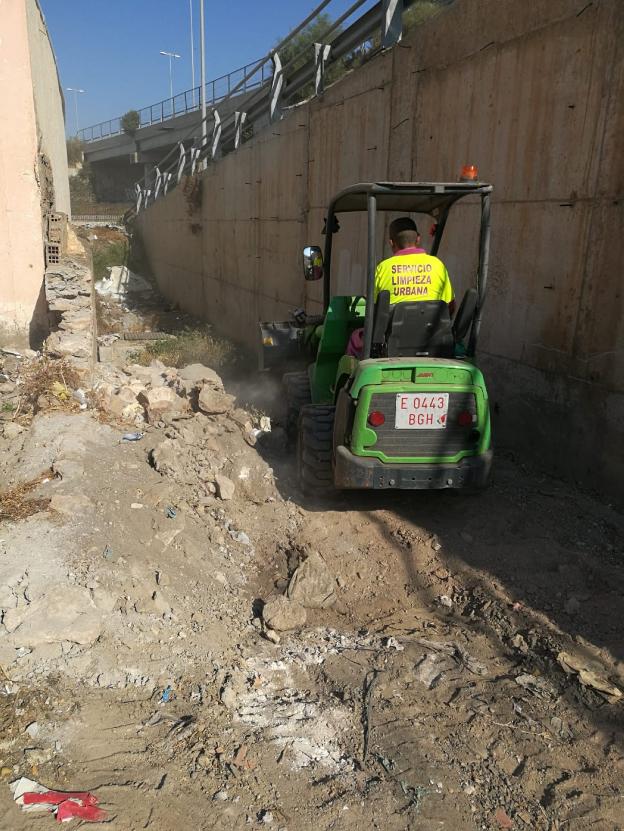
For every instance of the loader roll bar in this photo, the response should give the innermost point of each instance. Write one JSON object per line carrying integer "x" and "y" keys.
{"x": 433, "y": 198}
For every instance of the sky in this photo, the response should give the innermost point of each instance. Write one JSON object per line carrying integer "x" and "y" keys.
{"x": 110, "y": 48}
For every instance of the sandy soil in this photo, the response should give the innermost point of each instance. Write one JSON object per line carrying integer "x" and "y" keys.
{"x": 451, "y": 685}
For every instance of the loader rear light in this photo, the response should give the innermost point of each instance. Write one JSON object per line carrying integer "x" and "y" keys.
{"x": 376, "y": 419}
{"x": 469, "y": 173}
{"x": 464, "y": 419}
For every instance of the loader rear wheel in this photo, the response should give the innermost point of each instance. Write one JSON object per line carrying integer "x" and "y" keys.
{"x": 315, "y": 448}
{"x": 298, "y": 394}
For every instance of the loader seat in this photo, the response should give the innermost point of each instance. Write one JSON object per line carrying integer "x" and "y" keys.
{"x": 410, "y": 329}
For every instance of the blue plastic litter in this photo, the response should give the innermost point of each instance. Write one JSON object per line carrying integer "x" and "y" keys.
{"x": 170, "y": 512}
{"x": 132, "y": 436}
{"x": 167, "y": 693}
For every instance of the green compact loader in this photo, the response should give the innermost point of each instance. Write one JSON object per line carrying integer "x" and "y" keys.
{"x": 412, "y": 412}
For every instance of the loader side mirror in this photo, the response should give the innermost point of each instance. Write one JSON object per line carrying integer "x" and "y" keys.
{"x": 312, "y": 262}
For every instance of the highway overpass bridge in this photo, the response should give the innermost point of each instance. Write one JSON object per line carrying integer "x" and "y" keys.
{"x": 119, "y": 158}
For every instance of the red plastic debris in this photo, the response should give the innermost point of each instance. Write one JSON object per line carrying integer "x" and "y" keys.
{"x": 72, "y": 810}
{"x": 57, "y": 797}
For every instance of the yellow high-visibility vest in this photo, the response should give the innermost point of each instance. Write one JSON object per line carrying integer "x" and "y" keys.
{"x": 413, "y": 275}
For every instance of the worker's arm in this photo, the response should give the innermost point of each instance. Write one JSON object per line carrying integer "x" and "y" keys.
{"x": 448, "y": 295}
{"x": 378, "y": 282}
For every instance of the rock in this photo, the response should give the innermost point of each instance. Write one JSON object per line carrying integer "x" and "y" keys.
{"x": 282, "y": 614}
{"x": 271, "y": 635}
{"x": 198, "y": 373}
{"x": 225, "y": 487}
{"x": 161, "y": 401}
{"x": 213, "y": 402}
{"x": 312, "y": 584}
{"x": 12, "y": 430}
{"x": 166, "y": 459}
{"x": 66, "y": 614}
{"x": 147, "y": 375}
{"x": 519, "y": 643}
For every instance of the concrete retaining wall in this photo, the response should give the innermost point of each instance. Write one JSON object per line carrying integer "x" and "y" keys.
{"x": 531, "y": 93}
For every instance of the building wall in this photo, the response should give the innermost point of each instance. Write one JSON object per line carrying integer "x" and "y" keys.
{"x": 49, "y": 103}
{"x": 33, "y": 164}
{"x": 21, "y": 239}
{"x": 531, "y": 93}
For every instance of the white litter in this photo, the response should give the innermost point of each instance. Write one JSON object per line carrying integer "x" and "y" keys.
{"x": 121, "y": 281}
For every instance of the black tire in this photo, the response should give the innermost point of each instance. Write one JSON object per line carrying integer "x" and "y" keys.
{"x": 315, "y": 448}
{"x": 298, "y": 394}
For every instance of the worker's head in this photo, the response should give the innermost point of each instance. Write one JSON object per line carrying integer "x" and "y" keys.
{"x": 403, "y": 233}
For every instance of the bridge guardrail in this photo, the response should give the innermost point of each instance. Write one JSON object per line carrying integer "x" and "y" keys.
{"x": 184, "y": 102}
{"x": 378, "y": 28}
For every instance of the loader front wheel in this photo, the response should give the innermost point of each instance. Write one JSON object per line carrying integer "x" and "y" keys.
{"x": 315, "y": 448}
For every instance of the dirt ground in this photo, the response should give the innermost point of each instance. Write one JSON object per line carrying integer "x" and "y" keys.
{"x": 465, "y": 676}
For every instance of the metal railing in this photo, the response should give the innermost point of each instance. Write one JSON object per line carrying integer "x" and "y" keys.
{"x": 184, "y": 102}
{"x": 303, "y": 75}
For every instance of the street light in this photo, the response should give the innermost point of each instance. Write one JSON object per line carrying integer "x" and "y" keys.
{"x": 202, "y": 92}
{"x": 192, "y": 49}
{"x": 75, "y": 90}
{"x": 171, "y": 56}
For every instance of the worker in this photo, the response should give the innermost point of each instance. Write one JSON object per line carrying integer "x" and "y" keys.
{"x": 410, "y": 275}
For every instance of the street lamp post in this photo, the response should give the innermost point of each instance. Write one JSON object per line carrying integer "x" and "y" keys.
{"x": 192, "y": 49}
{"x": 75, "y": 90}
{"x": 171, "y": 56}
{"x": 202, "y": 92}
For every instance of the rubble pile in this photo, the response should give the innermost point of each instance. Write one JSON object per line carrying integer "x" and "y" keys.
{"x": 69, "y": 294}
{"x": 102, "y": 586}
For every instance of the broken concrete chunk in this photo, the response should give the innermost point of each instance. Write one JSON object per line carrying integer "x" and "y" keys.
{"x": 166, "y": 458}
{"x": 590, "y": 674}
{"x": 213, "y": 402}
{"x": 161, "y": 401}
{"x": 198, "y": 373}
{"x": 282, "y": 614}
{"x": 312, "y": 584}
{"x": 68, "y": 614}
{"x": 225, "y": 487}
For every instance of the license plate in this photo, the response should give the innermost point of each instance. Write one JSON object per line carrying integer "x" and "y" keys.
{"x": 420, "y": 411}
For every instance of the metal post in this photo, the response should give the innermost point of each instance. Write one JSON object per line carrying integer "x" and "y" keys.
{"x": 370, "y": 277}
{"x": 192, "y": 49}
{"x": 181, "y": 162}
{"x": 239, "y": 119}
{"x": 166, "y": 179}
{"x": 171, "y": 56}
{"x": 76, "y": 91}
{"x": 204, "y": 129}
{"x": 195, "y": 151}
{"x": 216, "y": 134}
{"x": 276, "y": 88}
{"x": 321, "y": 53}
{"x": 139, "y": 196}
{"x": 482, "y": 272}
{"x": 157, "y": 184}
{"x": 392, "y": 23}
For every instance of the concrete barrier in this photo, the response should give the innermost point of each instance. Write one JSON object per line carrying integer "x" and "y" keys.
{"x": 531, "y": 93}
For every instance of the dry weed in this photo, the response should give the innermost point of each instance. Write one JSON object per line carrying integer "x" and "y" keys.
{"x": 46, "y": 383}
{"x": 189, "y": 347}
{"x": 14, "y": 504}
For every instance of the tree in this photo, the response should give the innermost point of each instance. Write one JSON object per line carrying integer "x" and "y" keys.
{"x": 300, "y": 50}
{"x": 74, "y": 151}
{"x": 130, "y": 122}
